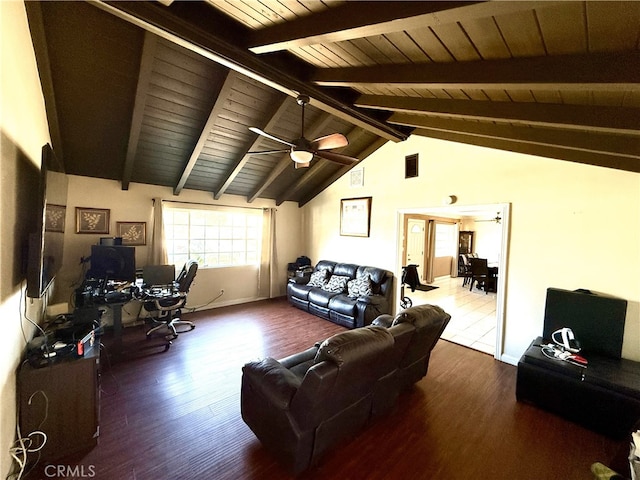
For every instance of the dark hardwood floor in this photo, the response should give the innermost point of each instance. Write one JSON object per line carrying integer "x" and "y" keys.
{"x": 176, "y": 415}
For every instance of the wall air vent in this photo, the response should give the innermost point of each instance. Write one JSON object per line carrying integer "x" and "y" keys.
{"x": 411, "y": 166}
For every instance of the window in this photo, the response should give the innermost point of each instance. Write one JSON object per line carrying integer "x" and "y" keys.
{"x": 445, "y": 240}
{"x": 215, "y": 238}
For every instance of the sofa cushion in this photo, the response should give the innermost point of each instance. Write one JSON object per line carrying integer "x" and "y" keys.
{"x": 343, "y": 304}
{"x": 346, "y": 269}
{"x": 336, "y": 284}
{"x": 318, "y": 278}
{"x": 320, "y": 297}
{"x": 377, "y": 276}
{"x": 345, "y": 347}
{"x": 360, "y": 287}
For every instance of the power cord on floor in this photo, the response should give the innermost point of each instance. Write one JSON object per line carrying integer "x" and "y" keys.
{"x": 193, "y": 309}
{"x": 22, "y": 447}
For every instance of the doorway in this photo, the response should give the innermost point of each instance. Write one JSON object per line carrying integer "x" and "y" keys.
{"x": 494, "y": 217}
{"x": 415, "y": 244}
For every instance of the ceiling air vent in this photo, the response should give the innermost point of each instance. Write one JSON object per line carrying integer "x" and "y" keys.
{"x": 411, "y": 166}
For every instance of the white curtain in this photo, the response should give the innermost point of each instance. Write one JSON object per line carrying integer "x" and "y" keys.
{"x": 268, "y": 272}
{"x": 157, "y": 252}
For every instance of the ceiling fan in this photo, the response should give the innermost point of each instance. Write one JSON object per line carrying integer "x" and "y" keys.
{"x": 302, "y": 150}
{"x": 496, "y": 219}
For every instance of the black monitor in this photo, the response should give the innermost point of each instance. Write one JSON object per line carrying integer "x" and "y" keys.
{"x": 113, "y": 262}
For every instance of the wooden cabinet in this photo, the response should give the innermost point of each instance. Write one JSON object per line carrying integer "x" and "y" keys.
{"x": 63, "y": 401}
{"x": 465, "y": 242}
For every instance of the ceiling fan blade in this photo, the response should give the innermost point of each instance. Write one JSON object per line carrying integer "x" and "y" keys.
{"x": 337, "y": 158}
{"x": 335, "y": 140}
{"x": 272, "y": 137}
{"x": 267, "y": 151}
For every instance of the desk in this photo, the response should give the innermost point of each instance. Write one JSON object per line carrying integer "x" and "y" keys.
{"x": 93, "y": 293}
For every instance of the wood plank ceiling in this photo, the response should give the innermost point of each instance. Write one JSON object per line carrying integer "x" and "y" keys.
{"x": 165, "y": 94}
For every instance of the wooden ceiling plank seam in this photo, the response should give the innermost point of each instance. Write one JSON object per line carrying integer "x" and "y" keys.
{"x": 218, "y": 105}
{"x": 581, "y": 72}
{"x": 311, "y": 194}
{"x": 168, "y": 26}
{"x": 486, "y": 38}
{"x": 350, "y": 21}
{"x": 312, "y": 132}
{"x": 616, "y": 120}
{"x": 407, "y": 46}
{"x": 142, "y": 87}
{"x": 231, "y": 175}
{"x": 521, "y": 34}
{"x": 39, "y": 39}
{"x": 313, "y": 171}
{"x": 455, "y": 40}
{"x": 557, "y": 152}
{"x": 604, "y": 144}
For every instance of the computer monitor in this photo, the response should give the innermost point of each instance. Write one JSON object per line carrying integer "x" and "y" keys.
{"x": 113, "y": 262}
{"x": 158, "y": 275}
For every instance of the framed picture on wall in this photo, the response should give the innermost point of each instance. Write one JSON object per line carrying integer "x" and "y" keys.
{"x": 92, "y": 220}
{"x": 355, "y": 217}
{"x": 132, "y": 233}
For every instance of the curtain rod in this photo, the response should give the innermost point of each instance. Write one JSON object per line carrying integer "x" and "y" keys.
{"x": 212, "y": 204}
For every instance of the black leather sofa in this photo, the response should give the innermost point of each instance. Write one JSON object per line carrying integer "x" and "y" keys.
{"x": 355, "y": 299}
{"x": 304, "y": 405}
{"x": 604, "y": 396}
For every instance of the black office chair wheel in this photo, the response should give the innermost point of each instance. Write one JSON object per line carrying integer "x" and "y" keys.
{"x": 406, "y": 302}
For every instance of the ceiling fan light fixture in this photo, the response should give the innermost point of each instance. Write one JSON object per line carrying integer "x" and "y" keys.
{"x": 301, "y": 156}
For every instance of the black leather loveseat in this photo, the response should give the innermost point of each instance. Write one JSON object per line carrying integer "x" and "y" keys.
{"x": 304, "y": 405}
{"x": 347, "y": 294}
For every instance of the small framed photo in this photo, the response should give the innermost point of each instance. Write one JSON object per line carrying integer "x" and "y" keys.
{"x": 54, "y": 218}
{"x": 356, "y": 177}
{"x": 132, "y": 233}
{"x": 355, "y": 217}
{"x": 92, "y": 220}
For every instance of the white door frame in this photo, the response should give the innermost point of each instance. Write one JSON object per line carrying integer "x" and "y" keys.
{"x": 504, "y": 210}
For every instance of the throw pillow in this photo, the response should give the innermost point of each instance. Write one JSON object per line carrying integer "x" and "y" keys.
{"x": 359, "y": 287}
{"x": 318, "y": 279}
{"x": 336, "y": 284}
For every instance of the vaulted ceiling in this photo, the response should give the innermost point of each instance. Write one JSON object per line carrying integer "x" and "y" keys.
{"x": 164, "y": 92}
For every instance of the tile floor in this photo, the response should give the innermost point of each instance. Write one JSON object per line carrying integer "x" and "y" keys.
{"x": 473, "y": 314}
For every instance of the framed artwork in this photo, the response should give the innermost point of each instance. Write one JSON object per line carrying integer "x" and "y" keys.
{"x": 355, "y": 217}
{"x": 54, "y": 218}
{"x": 356, "y": 177}
{"x": 92, "y": 220}
{"x": 132, "y": 233}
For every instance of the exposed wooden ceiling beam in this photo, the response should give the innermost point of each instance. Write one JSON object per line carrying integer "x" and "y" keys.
{"x": 276, "y": 116}
{"x": 204, "y": 134}
{"x": 285, "y": 162}
{"x": 592, "y": 72}
{"x": 201, "y": 39}
{"x": 603, "y": 144}
{"x": 41, "y": 50}
{"x": 604, "y": 119}
{"x": 353, "y": 20}
{"x": 146, "y": 68}
{"x": 558, "y": 152}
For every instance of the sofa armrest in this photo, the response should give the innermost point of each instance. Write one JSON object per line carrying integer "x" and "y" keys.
{"x": 369, "y": 308}
{"x": 300, "y": 357}
{"x": 385, "y": 320}
{"x": 271, "y": 380}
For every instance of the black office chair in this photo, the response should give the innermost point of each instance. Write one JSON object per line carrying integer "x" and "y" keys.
{"x": 479, "y": 273}
{"x": 165, "y": 307}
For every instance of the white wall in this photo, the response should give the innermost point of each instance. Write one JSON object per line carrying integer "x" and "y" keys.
{"x": 24, "y": 129}
{"x": 572, "y": 226}
{"x": 135, "y": 205}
